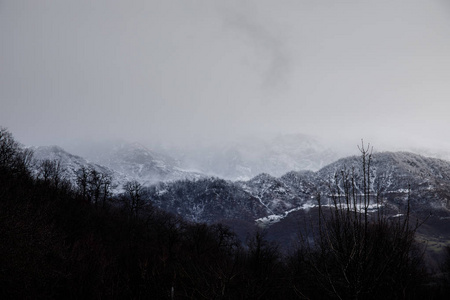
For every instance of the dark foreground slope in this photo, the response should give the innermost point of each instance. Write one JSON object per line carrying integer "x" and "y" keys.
{"x": 55, "y": 243}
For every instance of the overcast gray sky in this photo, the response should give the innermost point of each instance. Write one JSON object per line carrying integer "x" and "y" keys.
{"x": 171, "y": 71}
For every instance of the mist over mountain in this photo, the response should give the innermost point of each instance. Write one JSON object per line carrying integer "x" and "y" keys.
{"x": 246, "y": 158}
{"x": 143, "y": 164}
{"x": 239, "y": 159}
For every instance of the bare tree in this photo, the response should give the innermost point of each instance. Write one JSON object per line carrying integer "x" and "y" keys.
{"x": 133, "y": 191}
{"x": 50, "y": 171}
{"x": 82, "y": 182}
{"x": 94, "y": 185}
{"x": 356, "y": 254}
{"x": 8, "y": 148}
{"x": 12, "y": 154}
{"x": 106, "y": 184}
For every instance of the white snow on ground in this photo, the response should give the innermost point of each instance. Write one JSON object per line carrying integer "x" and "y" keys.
{"x": 397, "y": 215}
{"x": 271, "y": 219}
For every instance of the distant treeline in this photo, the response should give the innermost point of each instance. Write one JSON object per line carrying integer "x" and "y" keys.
{"x": 66, "y": 242}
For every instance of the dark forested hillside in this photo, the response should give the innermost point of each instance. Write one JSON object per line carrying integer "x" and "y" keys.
{"x": 57, "y": 241}
{"x": 56, "y": 244}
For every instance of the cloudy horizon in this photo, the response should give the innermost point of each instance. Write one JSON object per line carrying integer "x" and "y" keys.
{"x": 180, "y": 71}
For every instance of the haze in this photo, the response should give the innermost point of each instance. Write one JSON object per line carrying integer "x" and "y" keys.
{"x": 180, "y": 71}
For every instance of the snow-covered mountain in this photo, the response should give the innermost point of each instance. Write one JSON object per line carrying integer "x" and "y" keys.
{"x": 241, "y": 159}
{"x": 144, "y": 165}
{"x": 275, "y": 203}
{"x": 125, "y": 163}
{"x": 393, "y": 173}
{"x": 71, "y": 164}
{"x": 270, "y": 201}
{"x": 246, "y": 158}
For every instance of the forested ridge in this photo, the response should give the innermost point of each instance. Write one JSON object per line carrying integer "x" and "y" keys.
{"x": 64, "y": 241}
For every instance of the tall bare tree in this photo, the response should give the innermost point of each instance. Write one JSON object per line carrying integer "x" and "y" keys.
{"x": 133, "y": 190}
{"x": 355, "y": 253}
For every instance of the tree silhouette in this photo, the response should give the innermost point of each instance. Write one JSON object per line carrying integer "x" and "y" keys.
{"x": 134, "y": 199}
{"x": 357, "y": 254}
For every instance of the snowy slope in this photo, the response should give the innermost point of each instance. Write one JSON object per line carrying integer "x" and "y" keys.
{"x": 144, "y": 165}
{"x": 393, "y": 175}
{"x": 125, "y": 163}
{"x": 70, "y": 164}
